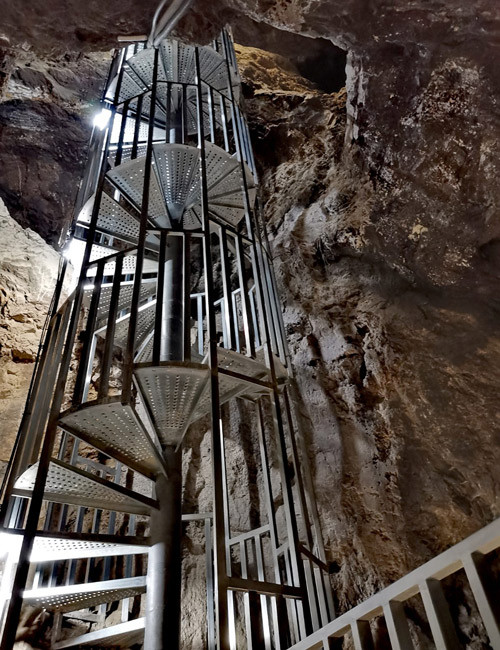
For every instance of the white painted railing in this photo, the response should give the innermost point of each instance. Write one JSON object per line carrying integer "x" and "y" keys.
{"x": 426, "y": 581}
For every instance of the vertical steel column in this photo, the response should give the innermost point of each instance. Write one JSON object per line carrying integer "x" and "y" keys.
{"x": 218, "y": 488}
{"x": 172, "y": 327}
{"x": 163, "y": 598}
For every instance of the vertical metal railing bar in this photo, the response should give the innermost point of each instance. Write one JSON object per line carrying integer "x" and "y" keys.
{"x": 291, "y": 605}
{"x": 223, "y": 114}
{"x": 168, "y": 111}
{"x": 227, "y": 543}
{"x": 308, "y": 570}
{"x": 186, "y": 306}
{"x": 298, "y": 473}
{"x": 184, "y": 115}
{"x": 209, "y": 567}
{"x": 210, "y": 99}
{"x": 107, "y": 358}
{"x": 264, "y": 600}
{"x": 216, "y": 428}
{"x": 321, "y": 591}
{"x": 245, "y": 306}
{"x": 280, "y": 350}
{"x": 246, "y": 597}
{"x": 234, "y": 303}
{"x": 266, "y": 250}
{"x": 485, "y": 597}
{"x": 297, "y": 567}
{"x": 253, "y": 309}
{"x": 226, "y": 287}
{"x": 160, "y": 284}
{"x": 123, "y": 125}
{"x": 129, "y": 352}
{"x": 273, "y": 529}
{"x": 438, "y": 614}
{"x": 137, "y": 126}
{"x": 85, "y": 357}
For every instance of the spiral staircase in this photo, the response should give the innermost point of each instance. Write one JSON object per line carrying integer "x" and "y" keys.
{"x": 173, "y": 165}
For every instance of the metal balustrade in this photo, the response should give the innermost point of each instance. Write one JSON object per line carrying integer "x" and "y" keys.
{"x": 471, "y": 555}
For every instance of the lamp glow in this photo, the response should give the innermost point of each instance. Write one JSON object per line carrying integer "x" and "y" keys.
{"x": 101, "y": 120}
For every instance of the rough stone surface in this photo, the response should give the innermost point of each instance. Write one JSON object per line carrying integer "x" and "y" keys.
{"x": 28, "y": 272}
{"x": 384, "y": 243}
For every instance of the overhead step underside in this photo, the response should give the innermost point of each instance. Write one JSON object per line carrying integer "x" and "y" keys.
{"x": 71, "y": 597}
{"x": 70, "y": 485}
{"x": 176, "y": 64}
{"x": 116, "y": 429}
{"x": 171, "y": 392}
{"x": 175, "y": 188}
{"x": 68, "y": 546}
{"x": 123, "y": 635}
{"x": 148, "y": 289}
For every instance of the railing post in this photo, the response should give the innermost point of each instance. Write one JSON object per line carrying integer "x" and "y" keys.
{"x": 438, "y": 615}
{"x": 487, "y": 602}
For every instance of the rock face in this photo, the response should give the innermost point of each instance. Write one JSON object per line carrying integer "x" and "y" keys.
{"x": 385, "y": 242}
{"x": 28, "y": 273}
{"x": 384, "y": 221}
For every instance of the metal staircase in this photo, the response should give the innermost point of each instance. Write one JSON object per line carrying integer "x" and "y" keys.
{"x": 174, "y": 315}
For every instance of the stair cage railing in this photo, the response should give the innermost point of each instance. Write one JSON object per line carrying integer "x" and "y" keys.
{"x": 174, "y": 316}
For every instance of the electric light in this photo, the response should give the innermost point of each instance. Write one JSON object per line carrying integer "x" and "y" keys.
{"x": 101, "y": 120}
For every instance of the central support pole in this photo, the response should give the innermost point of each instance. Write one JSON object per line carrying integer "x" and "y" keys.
{"x": 163, "y": 605}
{"x": 172, "y": 329}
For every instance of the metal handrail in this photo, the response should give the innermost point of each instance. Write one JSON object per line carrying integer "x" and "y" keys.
{"x": 425, "y": 580}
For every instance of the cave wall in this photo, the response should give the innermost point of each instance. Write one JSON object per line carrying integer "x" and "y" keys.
{"x": 382, "y": 205}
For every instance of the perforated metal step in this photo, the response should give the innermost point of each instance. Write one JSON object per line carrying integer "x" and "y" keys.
{"x": 171, "y": 392}
{"x": 177, "y": 189}
{"x": 66, "y": 484}
{"x": 68, "y": 546}
{"x": 112, "y": 220}
{"x": 145, "y": 322}
{"x": 123, "y": 635}
{"x": 148, "y": 289}
{"x": 176, "y": 64}
{"x": 129, "y": 179}
{"x": 72, "y": 597}
{"x": 116, "y": 430}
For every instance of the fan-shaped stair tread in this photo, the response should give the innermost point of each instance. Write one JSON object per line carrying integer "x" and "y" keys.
{"x": 73, "y": 546}
{"x": 70, "y": 485}
{"x": 116, "y": 430}
{"x": 69, "y": 598}
{"x": 230, "y": 387}
{"x": 122, "y": 635}
{"x": 148, "y": 289}
{"x": 129, "y": 179}
{"x": 112, "y": 219}
{"x": 177, "y": 169}
{"x": 171, "y": 392}
{"x": 145, "y": 322}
